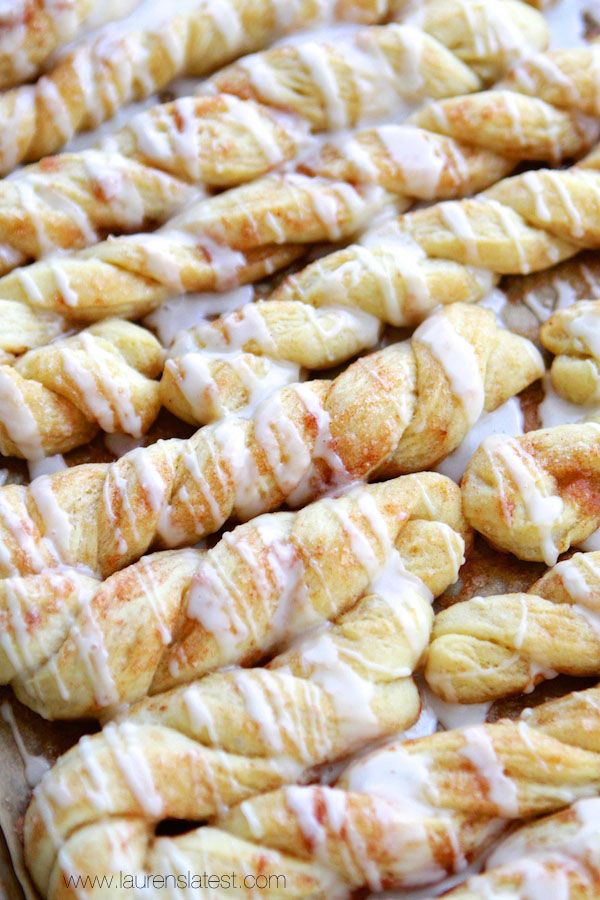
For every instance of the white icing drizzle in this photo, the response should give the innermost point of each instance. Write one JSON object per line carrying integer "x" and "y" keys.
{"x": 182, "y": 312}
{"x": 89, "y": 640}
{"x": 457, "y": 221}
{"x": 592, "y": 542}
{"x": 18, "y": 420}
{"x": 455, "y": 715}
{"x": 398, "y": 776}
{"x": 129, "y": 756}
{"x": 46, "y": 466}
{"x": 507, "y": 419}
{"x": 57, "y": 524}
{"x": 199, "y": 713}
{"x": 458, "y": 360}
{"x": 350, "y": 693}
{"x": 555, "y": 410}
{"x": 543, "y": 507}
{"x": 479, "y": 750}
{"x": 35, "y": 767}
{"x": 382, "y": 251}
{"x": 573, "y": 573}
{"x": 586, "y": 327}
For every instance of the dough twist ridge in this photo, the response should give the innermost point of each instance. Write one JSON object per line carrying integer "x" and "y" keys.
{"x": 141, "y": 176}
{"x": 573, "y": 335}
{"x": 536, "y": 495}
{"x": 495, "y": 646}
{"x": 452, "y": 48}
{"x": 401, "y": 816}
{"x": 396, "y": 411}
{"x": 58, "y": 396}
{"x": 261, "y": 587}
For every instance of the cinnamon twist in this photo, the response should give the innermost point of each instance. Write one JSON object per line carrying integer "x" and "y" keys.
{"x": 559, "y": 854}
{"x": 235, "y": 237}
{"x": 260, "y": 587}
{"x": 203, "y": 389}
{"x": 30, "y": 30}
{"x": 244, "y": 731}
{"x": 536, "y": 495}
{"x": 458, "y": 146}
{"x": 393, "y": 412}
{"x": 455, "y": 48}
{"x": 402, "y": 816}
{"x": 573, "y": 335}
{"x": 57, "y": 397}
{"x": 522, "y": 224}
{"x": 141, "y": 176}
{"x": 101, "y": 75}
{"x": 491, "y": 647}
{"x": 95, "y": 194}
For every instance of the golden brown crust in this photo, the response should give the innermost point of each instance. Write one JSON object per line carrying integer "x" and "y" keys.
{"x": 101, "y": 378}
{"x": 536, "y": 495}
{"x": 494, "y": 646}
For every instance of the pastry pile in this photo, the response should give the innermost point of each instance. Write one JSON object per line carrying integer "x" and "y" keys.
{"x": 318, "y": 257}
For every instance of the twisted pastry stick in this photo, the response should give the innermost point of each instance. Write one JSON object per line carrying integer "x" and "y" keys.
{"x": 203, "y": 390}
{"x": 69, "y": 198}
{"x": 402, "y": 816}
{"x": 520, "y": 225}
{"x": 491, "y": 647}
{"x": 58, "y": 396}
{"x": 32, "y": 29}
{"x": 457, "y": 49}
{"x": 235, "y": 237}
{"x": 395, "y": 411}
{"x": 558, "y": 854}
{"x": 457, "y": 146}
{"x": 98, "y": 195}
{"x": 538, "y": 494}
{"x": 573, "y": 335}
{"x": 140, "y": 176}
{"x": 100, "y": 76}
{"x": 261, "y": 586}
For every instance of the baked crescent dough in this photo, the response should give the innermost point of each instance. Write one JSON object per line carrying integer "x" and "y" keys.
{"x": 536, "y": 495}
{"x": 31, "y": 30}
{"x": 260, "y": 588}
{"x": 495, "y": 646}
